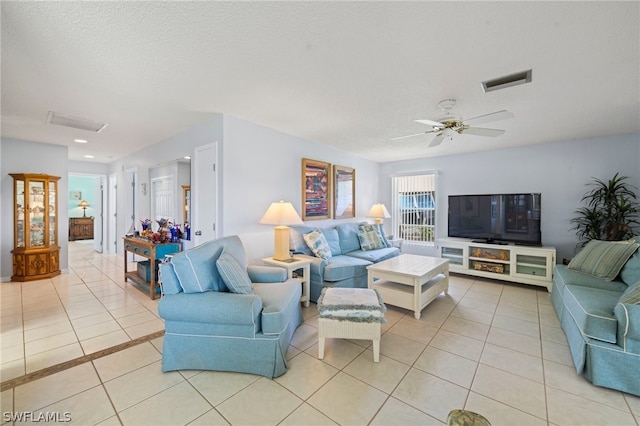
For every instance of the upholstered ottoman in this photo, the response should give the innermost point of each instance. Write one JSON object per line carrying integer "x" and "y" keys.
{"x": 350, "y": 313}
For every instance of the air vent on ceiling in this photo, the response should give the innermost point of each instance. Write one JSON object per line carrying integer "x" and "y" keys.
{"x": 75, "y": 122}
{"x": 507, "y": 81}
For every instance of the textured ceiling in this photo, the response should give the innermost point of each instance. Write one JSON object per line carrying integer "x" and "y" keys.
{"x": 347, "y": 74}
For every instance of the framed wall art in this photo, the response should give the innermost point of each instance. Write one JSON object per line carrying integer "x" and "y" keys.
{"x": 316, "y": 190}
{"x": 344, "y": 192}
{"x": 75, "y": 195}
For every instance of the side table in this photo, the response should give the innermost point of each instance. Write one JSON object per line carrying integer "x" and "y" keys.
{"x": 303, "y": 272}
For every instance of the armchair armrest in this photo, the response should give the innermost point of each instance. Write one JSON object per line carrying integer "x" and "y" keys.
{"x": 211, "y": 307}
{"x": 266, "y": 274}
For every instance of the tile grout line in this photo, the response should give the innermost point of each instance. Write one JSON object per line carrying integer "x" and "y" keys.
{"x": 39, "y": 374}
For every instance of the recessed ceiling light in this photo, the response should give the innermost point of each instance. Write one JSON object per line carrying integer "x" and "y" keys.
{"x": 186, "y": 157}
{"x": 80, "y": 140}
{"x": 88, "y": 156}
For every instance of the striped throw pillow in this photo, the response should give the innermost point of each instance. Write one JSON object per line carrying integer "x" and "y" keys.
{"x": 603, "y": 259}
{"x": 233, "y": 274}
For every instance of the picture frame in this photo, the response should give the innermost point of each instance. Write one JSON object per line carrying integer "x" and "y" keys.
{"x": 344, "y": 192}
{"x": 316, "y": 189}
{"x": 75, "y": 195}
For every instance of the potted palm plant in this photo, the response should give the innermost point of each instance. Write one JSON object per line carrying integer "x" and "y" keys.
{"x": 611, "y": 212}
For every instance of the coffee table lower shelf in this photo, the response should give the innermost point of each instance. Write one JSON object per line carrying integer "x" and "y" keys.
{"x": 402, "y": 295}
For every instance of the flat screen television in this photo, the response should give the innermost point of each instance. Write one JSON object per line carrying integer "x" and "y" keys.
{"x": 496, "y": 218}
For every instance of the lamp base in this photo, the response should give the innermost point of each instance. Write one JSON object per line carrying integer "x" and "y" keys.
{"x": 378, "y": 220}
{"x": 281, "y": 243}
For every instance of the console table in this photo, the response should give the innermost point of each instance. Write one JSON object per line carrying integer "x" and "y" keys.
{"x": 508, "y": 262}
{"x": 153, "y": 252}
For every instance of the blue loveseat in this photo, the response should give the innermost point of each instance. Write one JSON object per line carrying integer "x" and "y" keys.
{"x": 347, "y": 266}
{"x": 601, "y": 319}
{"x": 208, "y": 327}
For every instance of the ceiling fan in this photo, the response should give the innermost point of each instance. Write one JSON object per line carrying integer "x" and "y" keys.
{"x": 450, "y": 125}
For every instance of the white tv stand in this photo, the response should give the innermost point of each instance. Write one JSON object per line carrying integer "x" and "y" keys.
{"x": 508, "y": 262}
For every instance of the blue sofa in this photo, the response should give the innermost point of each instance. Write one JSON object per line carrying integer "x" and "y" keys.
{"x": 208, "y": 327}
{"x": 601, "y": 319}
{"x": 347, "y": 266}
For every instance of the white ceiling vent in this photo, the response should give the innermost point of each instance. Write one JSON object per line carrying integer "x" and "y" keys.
{"x": 507, "y": 81}
{"x": 75, "y": 122}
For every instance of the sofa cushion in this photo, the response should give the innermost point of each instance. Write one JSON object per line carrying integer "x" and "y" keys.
{"x": 296, "y": 239}
{"x": 333, "y": 240}
{"x": 375, "y": 256}
{"x": 196, "y": 268}
{"x": 369, "y": 237}
{"x": 348, "y": 233}
{"x": 630, "y": 272}
{"x": 318, "y": 244}
{"x": 233, "y": 274}
{"x": 563, "y": 276}
{"x": 603, "y": 259}
{"x": 383, "y": 235}
{"x": 343, "y": 267}
{"x": 592, "y": 310}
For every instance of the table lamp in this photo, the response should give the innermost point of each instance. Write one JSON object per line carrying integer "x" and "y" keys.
{"x": 281, "y": 214}
{"x": 84, "y": 206}
{"x": 379, "y": 211}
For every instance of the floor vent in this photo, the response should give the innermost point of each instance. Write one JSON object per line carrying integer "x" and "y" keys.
{"x": 507, "y": 81}
{"x": 75, "y": 122}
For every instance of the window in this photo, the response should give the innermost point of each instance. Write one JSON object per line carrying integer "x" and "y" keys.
{"x": 414, "y": 207}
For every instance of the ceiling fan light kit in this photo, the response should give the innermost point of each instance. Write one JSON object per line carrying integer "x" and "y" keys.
{"x": 450, "y": 125}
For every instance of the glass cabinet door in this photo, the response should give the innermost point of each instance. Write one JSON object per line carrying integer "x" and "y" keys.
{"x": 51, "y": 211}
{"x": 37, "y": 213}
{"x": 20, "y": 213}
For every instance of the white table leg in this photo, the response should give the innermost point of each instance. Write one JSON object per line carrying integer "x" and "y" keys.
{"x": 321, "y": 347}
{"x": 376, "y": 350}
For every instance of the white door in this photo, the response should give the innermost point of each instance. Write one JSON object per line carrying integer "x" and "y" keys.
{"x": 98, "y": 223}
{"x": 162, "y": 196}
{"x": 111, "y": 222}
{"x": 204, "y": 194}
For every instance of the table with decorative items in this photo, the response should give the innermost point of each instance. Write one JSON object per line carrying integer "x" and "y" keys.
{"x": 296, "y": 268}
{"x": 146, "y": 276}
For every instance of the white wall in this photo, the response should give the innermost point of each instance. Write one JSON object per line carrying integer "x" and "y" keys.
{"x": 170, "y": 149}
{"x": 261, "y": 166}
{"x": 558, "y": 170}
{"x": 17, "y": 156}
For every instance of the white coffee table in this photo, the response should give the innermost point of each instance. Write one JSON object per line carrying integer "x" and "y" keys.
{"x": 410, "y": 281}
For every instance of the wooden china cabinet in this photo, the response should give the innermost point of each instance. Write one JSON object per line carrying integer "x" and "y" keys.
{"x": 36, "y": 254}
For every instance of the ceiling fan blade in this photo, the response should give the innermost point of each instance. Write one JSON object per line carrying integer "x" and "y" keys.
{"x": 430, "y": 123}
{"x": 437, "y": 140}
{"x": 494, "y": 116}
{"x": 480, "y": 131}
{"x": 408, "y": 136}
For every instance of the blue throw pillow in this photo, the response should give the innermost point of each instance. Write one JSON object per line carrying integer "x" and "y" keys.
{"x": 196, "y": 269}
{"x": 233, "y": 274}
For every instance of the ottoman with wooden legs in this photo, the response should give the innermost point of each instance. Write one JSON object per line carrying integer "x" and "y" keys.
{"x": 350, "y": 313}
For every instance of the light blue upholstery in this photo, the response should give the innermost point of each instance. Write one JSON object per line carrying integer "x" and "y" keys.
{"x": 224, "y": 331}
{"x": 347, "y": 268}
{"x": 630, "y": 272}
{"x": 591, "y": 311}
{"x": 603, "y": 333}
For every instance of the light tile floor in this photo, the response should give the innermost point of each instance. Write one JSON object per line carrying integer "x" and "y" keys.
{"x": 489, "y": 347}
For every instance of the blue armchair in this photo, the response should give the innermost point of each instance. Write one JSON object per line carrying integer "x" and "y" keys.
{"x": 226, "y": 317}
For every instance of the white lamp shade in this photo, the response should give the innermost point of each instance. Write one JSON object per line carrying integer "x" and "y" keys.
{"x": 281, "y": 213}
{"x": 378, "y": 211}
